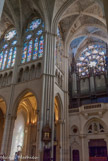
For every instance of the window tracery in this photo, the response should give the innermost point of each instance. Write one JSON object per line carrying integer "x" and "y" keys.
{"x": 34, "y": 41}
{"x": 95, "y": 127}
{"x": 59, "y": 48}
{"x": 91, "y": 58}
{"x": 8, "y": 50}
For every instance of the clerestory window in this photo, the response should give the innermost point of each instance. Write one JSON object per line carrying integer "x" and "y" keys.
{"x": 92, "y": 57}
{"x": 33, "y": 46}
{"x": 8, "y": 50}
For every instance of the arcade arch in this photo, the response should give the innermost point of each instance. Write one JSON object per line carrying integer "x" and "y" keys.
{"x": 25, "y": 126}
{"x": 2, "y": 118}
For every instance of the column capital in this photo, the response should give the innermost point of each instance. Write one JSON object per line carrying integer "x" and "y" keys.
{"x": 83, "y": 136}
{"x": 10, "y": 117}
{"x": 50, "y": 33}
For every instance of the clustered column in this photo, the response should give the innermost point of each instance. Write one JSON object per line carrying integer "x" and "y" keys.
{"x": 47, "y": 110}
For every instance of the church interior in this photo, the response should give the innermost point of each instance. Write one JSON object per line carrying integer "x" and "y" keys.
{"x": 54, "y": 80}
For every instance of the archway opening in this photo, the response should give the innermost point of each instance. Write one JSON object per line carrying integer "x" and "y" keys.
{"x": 97, "y": 150}
{"x": 2, "y": 119}
{"x": 25, "y": 127}
{"x": 56, "y": 129}
{"x": 76, "y": 155}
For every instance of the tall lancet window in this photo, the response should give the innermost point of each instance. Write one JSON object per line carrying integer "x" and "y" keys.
{"x": 8, "y": 50}
{"x": 33, "y": 46}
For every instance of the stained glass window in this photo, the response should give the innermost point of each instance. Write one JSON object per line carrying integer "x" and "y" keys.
{"x": 28, "y": 37}
{"x": 24, "y": 53}
{"x": 29, "y": 51}
{"x": 7, "y": 50}
{"x": 13, "y": 56}
{"x": 9, "y": 58}
{"x": 91, "y": 57}
{"x": 35, "y": 53}
{"x": 1, "y": 59}
{"x": 41, "y": 44}
{"x": 10, "y": 34}
{"x": 14, "y": 42}
{"x": 34, "y": 41}
{"x": 4, "y": 59}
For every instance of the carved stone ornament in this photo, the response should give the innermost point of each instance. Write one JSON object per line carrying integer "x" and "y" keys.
{"x": 46, "y": 134}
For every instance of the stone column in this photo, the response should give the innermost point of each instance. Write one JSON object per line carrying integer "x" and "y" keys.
{"x": 8, "y": 132}
{"x": 28, "y": 144}
{"x": 47, "y": 109}
{"x": 105, "y": 3}
{"x": 1, "y": 7}
{"x": 84, "y": 148}
{"x": 65, "y": 149}
{"x": 74, "y": 84}
{"x": 10, "y": 115}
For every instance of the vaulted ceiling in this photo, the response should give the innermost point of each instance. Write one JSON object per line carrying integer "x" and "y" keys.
{"x": 81, "y": 21}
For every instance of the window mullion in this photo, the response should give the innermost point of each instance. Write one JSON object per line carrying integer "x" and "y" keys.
{"x": 38, "y": 46}
{"x": 12, "y": 55}
{"x": 32, "y": 48}
{"x": 7, "y": 57}
{"x": 2, "y": 60}
{"x": 27, "y": 52}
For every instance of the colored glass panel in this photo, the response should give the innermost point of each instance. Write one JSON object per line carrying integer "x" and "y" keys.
{"x": 9, "y": 58}
{"x": 35, "y": 52}
{"x": 4, "y": 59}
{"x": 58, "y": 31}
{"x": 43, "y": 24}
{"x": 24, "y": 53}
{"x": 28, "y": 37}
{"x": 29, "y": 51}
{"x": 92, "y": 57}
{"x": 39, "y": 32}
{"x": 14, "y": 42}
{"x": 5, "y": 46}
{"x": 34, "y": 24}
{"x": 1, "y": 59}
{"x": 10, "y": 34}
{"x": 13, "y": 56}
{"x": 41, "y": 45}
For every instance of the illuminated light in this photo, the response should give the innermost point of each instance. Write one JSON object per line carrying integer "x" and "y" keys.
{"x": 81, "y": 58}
{"x": 24, "y": 53}
{"x": 10, "y": 34}
{"x": 13, "y": 56}
{"x": 35, "y": 52}
{"x": 92, "y": 64}
{"x": 14, "y": 42}
{"x": 5, "y": 46}
{"x": 87, "y": 54}
{"x": 1, "y": 59}
{"x": 33, "y": 48}
{"x": 4, "y": 59}
{"x": 34, "y": 24}
{"x": 41, "y": 45}
{"x": 39, "y": 32}
{"x": 102, "y": 53}
{"x": 94, "y": 56}
{"x": 28, "y": 37}
{"x": 80, "y": 70}
{"x": 83, "y": 74}
{"x": 95, "y": 51}
{"x": 91, "y": 47}
{"x": 29, "y": 51}
{"x": 89, "y": 57}
{"x": 9, "y": 58}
